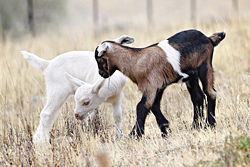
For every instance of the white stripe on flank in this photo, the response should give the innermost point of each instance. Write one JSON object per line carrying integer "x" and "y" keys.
{"x": 173, "y": 57}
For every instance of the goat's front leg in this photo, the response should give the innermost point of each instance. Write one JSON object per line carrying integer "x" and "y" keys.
{"x": 117, "y": 114}
{"x": 141, "y": 114}
{"x": 48, "y": 114}
{"x": 156, "y": 110}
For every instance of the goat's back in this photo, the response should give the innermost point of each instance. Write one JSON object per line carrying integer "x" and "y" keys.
{"x": 80, "y": 64}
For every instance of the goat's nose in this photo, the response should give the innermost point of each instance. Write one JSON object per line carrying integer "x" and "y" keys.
{"x": 77, "y": 115}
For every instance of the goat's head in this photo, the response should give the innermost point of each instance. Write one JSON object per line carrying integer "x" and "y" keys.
{"x": 86, "y": 96}
{"x": 106, "y": 68}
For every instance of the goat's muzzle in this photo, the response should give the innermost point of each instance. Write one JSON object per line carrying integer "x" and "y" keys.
{"x": 78, "y": 117}
{"x": 104, "y": 74}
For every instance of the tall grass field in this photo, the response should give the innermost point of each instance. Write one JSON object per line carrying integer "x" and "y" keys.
{"x": 22, "y": 96}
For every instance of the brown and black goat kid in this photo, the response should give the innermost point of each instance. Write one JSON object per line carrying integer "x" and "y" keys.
{"x": 186, "y": 56}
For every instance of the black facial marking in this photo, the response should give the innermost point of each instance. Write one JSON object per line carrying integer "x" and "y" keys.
{"x": 102, "y": 64}
{"x": 103, "y": 67}
{"x": 96, "y": 53}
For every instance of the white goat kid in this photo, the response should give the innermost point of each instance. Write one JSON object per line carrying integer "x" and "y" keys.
{"x": 77, "y": 72}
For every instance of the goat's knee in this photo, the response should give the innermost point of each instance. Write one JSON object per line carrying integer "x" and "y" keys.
{"x": 149, "y": 101}
{"x": 117, "y": 117}
{"x": 212, "y": 93}
{"x": 47, "y": 118}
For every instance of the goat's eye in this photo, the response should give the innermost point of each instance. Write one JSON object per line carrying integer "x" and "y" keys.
{"x": 85, "y": 103}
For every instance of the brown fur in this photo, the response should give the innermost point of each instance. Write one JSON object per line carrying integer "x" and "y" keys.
{"x": 139, "y": 66}
{"x": 210, "y": 81}
{"x": 213, "y": 37}
{"x": 196, "y": 59}
{"x": 216, "y": 38}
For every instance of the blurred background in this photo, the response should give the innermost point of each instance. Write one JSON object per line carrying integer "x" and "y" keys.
{"x": 22, "y": 17}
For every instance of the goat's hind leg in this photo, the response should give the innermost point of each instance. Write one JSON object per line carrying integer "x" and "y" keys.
{"x": 197, "y": 98}
{"x": 55, "y": 100}
{"x": 207, "y": 80}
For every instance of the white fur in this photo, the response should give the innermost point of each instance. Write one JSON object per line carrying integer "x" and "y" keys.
{"x": 75, "y": 72}
{"x": 101, "y": 48}
{"x": 124, "y": 39}
{"x": 35, "y": 61}
{"x": 173, "y": 57}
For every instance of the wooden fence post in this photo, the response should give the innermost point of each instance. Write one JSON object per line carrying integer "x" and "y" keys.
{"x": 235, "y": 6}
{"x": 95, "y": 17}
{"x": 193, "y": 12}
{"x": 1, "y": 29}
{"x": 31, "y": 17}
{"x": 149, "y": 7}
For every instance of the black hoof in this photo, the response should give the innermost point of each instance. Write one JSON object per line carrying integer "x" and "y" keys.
{"x": 210, "y": 125}
{"x": 166, "y": 134}
{"x": 197, "y": 126}
{"x": 165, "y": 130}
{"x": 135, "y": 133}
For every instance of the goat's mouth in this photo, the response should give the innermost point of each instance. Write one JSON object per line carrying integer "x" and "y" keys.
{"x": 104, "y": 74}
{"x": 80, "y": 117}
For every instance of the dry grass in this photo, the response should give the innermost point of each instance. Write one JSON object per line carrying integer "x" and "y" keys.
{"x": 70, "y": 146}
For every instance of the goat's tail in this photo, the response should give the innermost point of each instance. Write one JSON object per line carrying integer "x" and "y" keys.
{"x": 217, "y": 37}
{"x": 35, "y": 61}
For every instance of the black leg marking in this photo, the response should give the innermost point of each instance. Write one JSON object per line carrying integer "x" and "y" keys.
{"x": 197, "y": 97}
{"x": 156, "y": 110}
{"x": 141, "y": 113}
{"x": 211, "y": 111}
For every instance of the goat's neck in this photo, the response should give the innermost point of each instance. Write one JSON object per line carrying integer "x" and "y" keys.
{"x": 112, "y": 86}
{"x": 125, "y": 61}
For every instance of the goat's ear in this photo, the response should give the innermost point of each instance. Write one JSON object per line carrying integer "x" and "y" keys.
{"x": 101, "y": 49}
{"x": 98, "y": 85}
{"x": 124, "y": 39}
{"x": 75, "y": 82}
